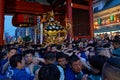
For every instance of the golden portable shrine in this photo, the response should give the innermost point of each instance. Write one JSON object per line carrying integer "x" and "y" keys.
{"x": 54, "y": 32}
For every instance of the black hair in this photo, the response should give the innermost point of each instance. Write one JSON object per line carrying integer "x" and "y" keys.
{"x": 2, "y": 55}
{"x": 12, "y": 49}
{"x": 15, "y": 59}
{"x": 1, "y": 47}
{"x": 114, "y": 61}
{"x": 49, "y": 72}
{"x": 97, "y": 61}
{"x": 117, "y": 41}
{"x": 59, "y": 47}
{"x": 7, "y": 46}
{"x": 49, "y": 56}
{"x": 53, "y": 45}
{"x": 61, "y": 55}
{"x": 30, "y": 51}
{"x": 42, "y": 50}
{"x": 67, "y": 44}
{"x": 73, "y": 58}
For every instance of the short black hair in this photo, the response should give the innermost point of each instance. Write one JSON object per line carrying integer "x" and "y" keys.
{"x": 61, "y": 55}
{"x": 73, "y": 58}
{"x": 15, "y": 59}
{"x": 49, "y": 72}
{"x": 53, "y": 45}
{"x": 117, "y": 41}
{"x": 12, "y": 49}
{"x": 49, "y": 56}
{"x": 29, "y": 51}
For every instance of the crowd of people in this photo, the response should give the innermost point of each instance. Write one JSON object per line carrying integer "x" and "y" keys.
{"x": 83, "y": 59}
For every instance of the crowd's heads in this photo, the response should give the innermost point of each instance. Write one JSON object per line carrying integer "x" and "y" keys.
{"x": 1, "y": 47}
{"x": 17, "y": 61}
{"x": 8, "y": 46}
{"x": 103, "y": 52}
{"x": 53, "y": 47}
{"x": 3, "y": 55}
{"x": 50, "y": 57}
{"x": 62, "y": 59}
{"x": 28, "y": 54}
{"x": 75, "y": 63}
{"x": 29, "y": 51}
{"x": 49, "y": 72}
{"x": 22, "y": 48}
{"x": 48, "y": 48}
{"x": 116, "y": 43}
{"x": 69, "y": 52}
{"x": 69, "y": 45}
{"x": 97, "y": 62}
{"x": 111, "y": 69}
{"x": 11, "y": 52}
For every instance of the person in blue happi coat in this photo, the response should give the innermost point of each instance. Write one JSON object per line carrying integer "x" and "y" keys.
{"x": 17, "y": 63}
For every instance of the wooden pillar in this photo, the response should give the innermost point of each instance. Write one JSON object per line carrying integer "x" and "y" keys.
{"x": 69, "y": 16}
{"x": 1, "y": 22}
{"x": 91, "y": 19}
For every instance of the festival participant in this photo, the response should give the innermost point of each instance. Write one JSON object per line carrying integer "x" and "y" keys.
{"x": 111, "y": 69}
{"x": 17, "y": 63}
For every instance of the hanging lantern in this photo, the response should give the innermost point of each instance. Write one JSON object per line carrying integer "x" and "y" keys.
{"x": 99, "y": 21}
{"x": 115, "y": 18}
{"x": 111, "y": 17}
{"x": 118, "y": 20}
{"x": 24, "y": 20}
{"x": 108, "y": 21}
{"x": 103, "y": 22}
{"x": 95, "y": 23}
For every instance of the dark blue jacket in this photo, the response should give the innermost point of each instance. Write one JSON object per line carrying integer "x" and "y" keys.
{"x": 70, "y": 75}
{"x": 116, "y": 52}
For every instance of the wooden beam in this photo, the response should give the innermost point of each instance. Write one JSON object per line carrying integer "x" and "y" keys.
{"x": 25, "y": 7}
{"x": 60, "y": 9}
{"x": 69, "y": 19}
{"x": 86, "y": 0}
{"x": 74, "y": 5}
{"x": 55, "y": 4}
{"x": 1, "y": 22}
{"x": 91, "y": 18}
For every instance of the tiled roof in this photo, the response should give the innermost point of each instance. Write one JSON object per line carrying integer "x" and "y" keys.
{"x": 111, "y": 3}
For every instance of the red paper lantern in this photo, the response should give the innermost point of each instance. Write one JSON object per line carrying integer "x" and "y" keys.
{"x": 24, "y": 20}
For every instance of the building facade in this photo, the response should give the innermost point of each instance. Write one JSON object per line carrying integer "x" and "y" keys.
{"x": 107, "y": 19}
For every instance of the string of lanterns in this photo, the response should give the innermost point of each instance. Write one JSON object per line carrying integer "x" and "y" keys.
{"x": 109, "y": 20}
